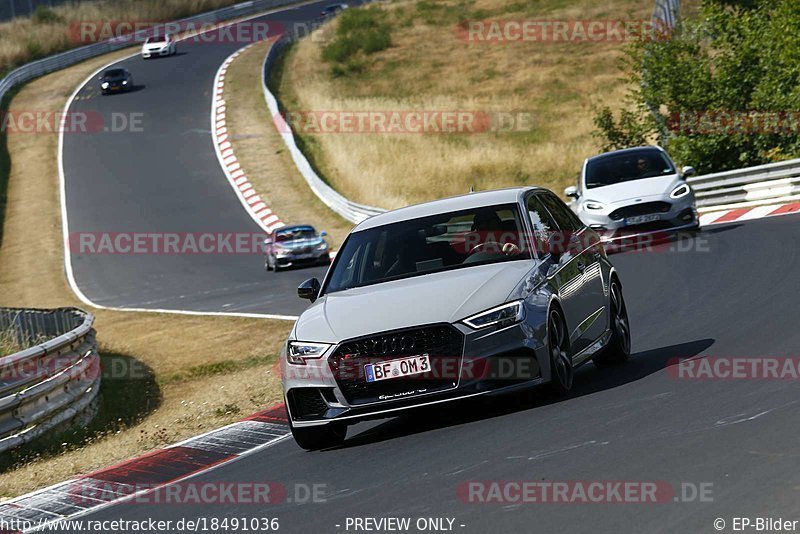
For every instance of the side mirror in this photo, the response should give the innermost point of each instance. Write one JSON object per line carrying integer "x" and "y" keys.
{"x": 323, "y": 233}
{"x": 309, "y": 289}
{"x": 571, "y": 192}
{"x": 688, "y": 171}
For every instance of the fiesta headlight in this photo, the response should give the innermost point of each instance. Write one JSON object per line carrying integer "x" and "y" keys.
{"x": 124, "y": 82}
{"x": 501, "y": 316}
{"x": 322, "y": 246}
{"x": 104, "y": 85}
{"x": 593, "y": 205}
{"x": 299, "y": 351}
{"x": 680, "y": 191}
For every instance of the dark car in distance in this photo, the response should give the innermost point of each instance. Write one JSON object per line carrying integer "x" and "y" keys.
{"x": 116, "y": 80}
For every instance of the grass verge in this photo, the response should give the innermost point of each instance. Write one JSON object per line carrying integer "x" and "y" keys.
{"x": 8, "y": 343}
{"x": 55, "y": 29}
{"x": 429, "y": 66}
{"x": 194, "y": 373}
{"x": 263, "y": 154}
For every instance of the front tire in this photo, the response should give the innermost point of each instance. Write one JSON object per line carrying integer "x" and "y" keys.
{"x": 319, "y": 437}
{"x": 561, "y": 369}
{"x": 618, "y": 349}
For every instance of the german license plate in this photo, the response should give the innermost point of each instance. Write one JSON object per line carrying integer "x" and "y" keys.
{"x": 397, "y": 368}
{"x": 641, "y": 219}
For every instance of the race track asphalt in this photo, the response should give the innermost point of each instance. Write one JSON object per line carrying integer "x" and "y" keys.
{"x": 732, "y": 291}
{"x": 148, "y": 166}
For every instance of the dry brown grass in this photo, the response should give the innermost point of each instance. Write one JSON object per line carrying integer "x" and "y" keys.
{"x": 196, "y": 395}
{"x": 26, "y": 39}
{"x": 263, "y": 155}
{"x": 8, "y": 343}
{"x": 429, "y": 68}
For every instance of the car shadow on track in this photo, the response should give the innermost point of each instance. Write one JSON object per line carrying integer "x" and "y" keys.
{"x": 588, "y": 380}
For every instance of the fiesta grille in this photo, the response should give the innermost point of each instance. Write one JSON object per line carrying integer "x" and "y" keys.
{"x": 443, "y": 344}
{"x": 635, "y": 210}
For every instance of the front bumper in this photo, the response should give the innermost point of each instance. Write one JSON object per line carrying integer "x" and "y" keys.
{"x": 115, "y": 88}
{"x": 320, "y": 392}
{"x": 303, "y": 259}
{"x": 681, "y": 215}
{"x": 160, "y": 52}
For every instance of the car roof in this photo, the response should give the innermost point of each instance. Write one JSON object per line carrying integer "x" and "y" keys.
{"x": 462, "y": 202}
{"x": 634, "y": 150}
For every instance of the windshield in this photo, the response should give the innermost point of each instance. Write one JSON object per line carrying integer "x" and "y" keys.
{"x": 427, "y": 245}
{"x": 162, "y": 39}
{"x": 625, "y": 167}
{"x": 295, "y": 234}
{"x": 114, "y": 73}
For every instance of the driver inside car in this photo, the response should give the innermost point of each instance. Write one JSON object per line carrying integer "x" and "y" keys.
{"x": 491, "y": 236}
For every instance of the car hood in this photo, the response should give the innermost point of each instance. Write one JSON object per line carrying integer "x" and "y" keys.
{"x": 624, "y": 192}
{"x": 444, "y": 297}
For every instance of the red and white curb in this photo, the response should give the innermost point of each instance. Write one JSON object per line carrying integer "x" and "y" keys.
{"x": 745, "y": 213}
{"x": 252, "y": 202}
{"x": 132, "y": 479}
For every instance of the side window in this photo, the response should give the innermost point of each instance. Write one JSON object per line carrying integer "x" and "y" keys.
{"x": 542, "y": 222}
{"x": 561, "y": 213}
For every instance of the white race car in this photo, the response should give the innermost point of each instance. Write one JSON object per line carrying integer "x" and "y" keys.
{"x": 159, "y": 45}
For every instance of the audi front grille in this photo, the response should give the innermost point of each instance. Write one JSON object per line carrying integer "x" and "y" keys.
{"x": 443, "y": 344}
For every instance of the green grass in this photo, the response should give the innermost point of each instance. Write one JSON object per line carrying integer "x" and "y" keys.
{"x": 218, "y": 368}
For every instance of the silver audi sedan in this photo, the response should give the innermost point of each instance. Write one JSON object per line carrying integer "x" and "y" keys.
{"x": 634, "y": 192}
{"x": 471, "y": 295}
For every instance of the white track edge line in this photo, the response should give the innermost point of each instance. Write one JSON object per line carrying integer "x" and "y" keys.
{"x": 63, "y": 197}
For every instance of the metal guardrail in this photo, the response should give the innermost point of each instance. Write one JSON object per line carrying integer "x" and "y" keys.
{"x": 347, "y": 209}
{"x": 753, "y": 185}
{"x": 52, "y": 382}
{"x": 666, "y": 13}
{"x": 60, "y": 61}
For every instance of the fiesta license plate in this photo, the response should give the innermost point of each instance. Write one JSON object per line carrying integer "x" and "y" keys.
{"x": 397, "y": 368}
{"x": 641, "y": 219}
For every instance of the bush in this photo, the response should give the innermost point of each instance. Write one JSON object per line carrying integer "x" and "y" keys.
{"x": 45, "y": 15}
{"x": 740, "y": 58}
{"x": 361, "y": 32}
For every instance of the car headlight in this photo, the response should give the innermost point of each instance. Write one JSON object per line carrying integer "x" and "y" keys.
{"x": 593, "y": 205}
{"x": 299, "y": 351}
{"x": 680, "y": 191}
{"x": 124, "y": 82}
{"x": 280, "y": 251}
{"x": 501, "y": 316}
{"x": 322, "y": 246}
{"x": 104, "y": 85}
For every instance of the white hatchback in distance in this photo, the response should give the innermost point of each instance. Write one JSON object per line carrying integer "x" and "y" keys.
{"x": 159, "y": 45}
{"x": 634, "y": 192}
